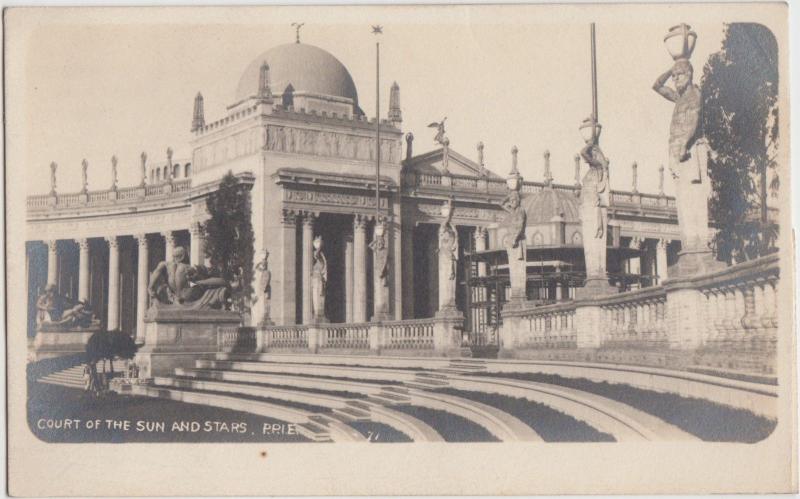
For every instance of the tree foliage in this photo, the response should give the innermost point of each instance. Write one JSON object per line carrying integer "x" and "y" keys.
{"x": 229, "y": 237}
{"x": 740, "y": 120}
{"x": 110, "y": 345}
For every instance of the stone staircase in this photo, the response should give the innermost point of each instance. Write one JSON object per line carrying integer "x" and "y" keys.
{"x": 70, "y": 378}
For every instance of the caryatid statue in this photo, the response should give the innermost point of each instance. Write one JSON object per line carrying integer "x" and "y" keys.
{"x": 448, "y": 258}
{"x": 380, "y": 259}
{"x": 513, "y": 231}
{"x": 594, "y": 202}
{"x": 265, "y": 287}
{"x": 688, "y": 149}
{"x": 319, "y": 280}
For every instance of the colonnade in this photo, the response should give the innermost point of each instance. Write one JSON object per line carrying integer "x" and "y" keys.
{"x": 113, "y": 242}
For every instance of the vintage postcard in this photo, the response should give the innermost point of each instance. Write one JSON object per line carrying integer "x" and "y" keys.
{"x": 450, "y": 249}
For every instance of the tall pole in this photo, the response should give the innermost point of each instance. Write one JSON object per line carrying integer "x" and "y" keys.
{"x": 594, "y": 74}
{"x": 377, "y": 129}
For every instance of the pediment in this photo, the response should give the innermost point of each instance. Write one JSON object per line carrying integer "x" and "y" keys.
{"x": 432, "y": 162}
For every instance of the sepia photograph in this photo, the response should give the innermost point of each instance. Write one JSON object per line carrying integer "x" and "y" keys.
{"x": 533, "y": 249}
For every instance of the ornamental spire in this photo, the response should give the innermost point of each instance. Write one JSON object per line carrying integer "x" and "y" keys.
{"x": 198, "y": 120}
{"x": 297, "y": 27}
{"x": 395, "y": 114}
{"x": 548, "y": 175}
{"x": 264, "y": 91}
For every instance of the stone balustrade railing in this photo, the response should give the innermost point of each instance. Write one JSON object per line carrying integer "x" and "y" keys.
{"x": 236, "y": 339}
{"x": 494, "y": 185}
{"x": 284, "y": 336}
{"x": 350, "y": 336}
{"x": 723, "y": 320}
{"x": 548, "y": 326}
{"x": 410, "y": 334}
{"x": 635, "y": 319}
{"x": 109, "y": 197}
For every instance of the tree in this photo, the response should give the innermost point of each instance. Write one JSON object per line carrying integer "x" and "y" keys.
{"x": 229, "y": 237}
{"x": 107, "y": 345}
{"x": 740, "y": 120}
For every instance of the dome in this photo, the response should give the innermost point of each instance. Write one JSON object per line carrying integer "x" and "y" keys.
{"x": 306, "y": 67}
{"x": 542, "y": 206}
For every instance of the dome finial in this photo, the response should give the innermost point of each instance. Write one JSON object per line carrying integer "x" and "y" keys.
{"x": 297, "y": 27}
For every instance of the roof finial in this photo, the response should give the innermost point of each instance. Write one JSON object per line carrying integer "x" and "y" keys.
{"x": 548, "y": 175}
{"x": 297, "y": 27}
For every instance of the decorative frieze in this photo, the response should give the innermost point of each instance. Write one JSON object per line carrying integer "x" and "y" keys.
{"x": 460, "y": 212}
{"x": 330, "y": 144}
{"x": 332, "y": 198}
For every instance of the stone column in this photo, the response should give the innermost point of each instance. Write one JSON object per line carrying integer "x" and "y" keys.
{"x": 142, "y": 278}
{"x": 197, "y": 245}
{"x": 359, "y": 269}
{"x": 169, "y": 244}
{"x": 308, "y": 236}
{"x": 480, "y": 245}
{"x": 397, "y": 268}
{"x": 408, "y": 270}
{"x": 52, "y": 262}
{"x": 286, "y": 312}
{"x": 348, "y": 278}
{"x": 83, "y": 269}
{"x": 661, "y": 260}
{"x": 635, "y": 263}
{"x": 113, "y": 283}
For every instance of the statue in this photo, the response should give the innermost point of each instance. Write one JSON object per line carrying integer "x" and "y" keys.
{"x": 380, "y": 259}
{"x": 319, "y": 280}
{"x": 448, "y": 259}
{"x": 114, "y": 173}
{"x": 688, "y": 150}
{"x": 85, "y": 175}
{"x": 594, "y": 209}
{"x": 78, "y": 316}
{"x": 177, "y": 283}
{"x": 143, "y": 180}
{"x": 47, "y": 306}
{"x": 265, "y": 286}
{"x": 53, "y": 167}
{"x": 515, "y": 219}
{"x": 439, "y": 126}
{"x": 595, "y": 183}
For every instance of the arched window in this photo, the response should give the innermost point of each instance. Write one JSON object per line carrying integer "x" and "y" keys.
{"x": 158, "y": 174}
{"x": 166, "y": 172}
{"x": 288, "y": 96}
{"x": 187, "y": 170}
{"x": 176, "y": 170}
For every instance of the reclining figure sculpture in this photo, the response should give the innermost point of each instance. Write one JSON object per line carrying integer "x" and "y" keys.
{"x": 180, "y": 285}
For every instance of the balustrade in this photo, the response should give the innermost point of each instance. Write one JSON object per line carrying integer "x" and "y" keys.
{"x": 550, "y": 326}
{"x": 285, "y": 336}
{"x": 410, "y": 334}
{"x": 93, "y": 198}
{"x": 236, "y": 339}
{"x": 354, "y": 336}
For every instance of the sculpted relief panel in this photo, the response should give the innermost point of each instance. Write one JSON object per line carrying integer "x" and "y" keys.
{"x": 459, "y": 212}
{"x": 329, "y": 144}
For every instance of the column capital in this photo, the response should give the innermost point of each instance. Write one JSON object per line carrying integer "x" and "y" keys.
{"x": 52, "y": 244}
{"x": 664, "y": 243}
{"x": 360, "y": 222}
{"x": 308, "y": 219}
{"x": 113, "y": 241}
{"x": 289, "y": 217}
{"x": 195, "y": 229}
{"x": 141, "y": 238}
{"x": 83, "y": 243}
{"x": 636, "y": 242}
{"x": 169, "y": 236}
{"x": 480, "y": 231}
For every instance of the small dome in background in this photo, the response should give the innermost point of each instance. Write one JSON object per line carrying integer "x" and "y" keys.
{"x": 542, "y": 206}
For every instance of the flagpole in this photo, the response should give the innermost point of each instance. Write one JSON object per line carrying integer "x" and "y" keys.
{"x": 377, "y": 128}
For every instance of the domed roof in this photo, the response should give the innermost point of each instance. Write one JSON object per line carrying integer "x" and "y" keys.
{"x": 306, "y": 67}
{"x": 542, "y": 206}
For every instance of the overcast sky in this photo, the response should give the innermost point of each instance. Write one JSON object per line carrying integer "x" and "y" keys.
{"x": 505, "y": 77}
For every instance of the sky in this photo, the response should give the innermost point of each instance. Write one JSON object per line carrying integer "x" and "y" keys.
{"x": 519, "y": 76}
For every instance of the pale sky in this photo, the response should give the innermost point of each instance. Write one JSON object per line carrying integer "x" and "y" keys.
{"x": 504, "y": 77}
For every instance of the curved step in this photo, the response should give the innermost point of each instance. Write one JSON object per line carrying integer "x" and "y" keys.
{"x": 622, "y": 421}
{"x": 345, "y": 409}
{"x": 377, "y": 374}
{"x": 334, "y": 430}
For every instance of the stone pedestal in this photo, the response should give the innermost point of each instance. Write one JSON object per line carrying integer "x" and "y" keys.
{"x": 176, "y": 337}
{"x": 588, "y": 325}
{"x": 53, "y": 341}
{"x": 595, "y": 287}
{"x": 693, "y": 262}
{"x": 686, "y": 315}
{"x": 447, "y": 328}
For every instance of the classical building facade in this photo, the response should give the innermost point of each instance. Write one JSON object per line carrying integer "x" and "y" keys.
{"x": 295, "y": 134}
